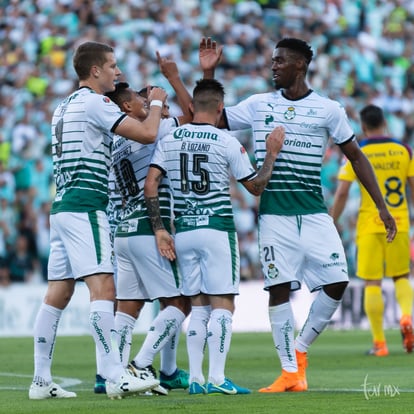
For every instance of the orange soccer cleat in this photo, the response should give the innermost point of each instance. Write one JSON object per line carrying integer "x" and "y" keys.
{"x": 406, "y": 326}
{"x": 287, "y": 382}
{"x": 379, "y": 349}
{"x": 302, "y": 360}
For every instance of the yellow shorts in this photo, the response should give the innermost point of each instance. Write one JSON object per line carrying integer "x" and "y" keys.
{"x": 377, "y": 258}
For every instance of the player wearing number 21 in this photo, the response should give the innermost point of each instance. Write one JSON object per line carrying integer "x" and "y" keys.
{"x": 394, "y": 167}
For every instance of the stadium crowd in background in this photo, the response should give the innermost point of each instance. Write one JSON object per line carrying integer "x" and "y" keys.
{"x": 363, "y": 54}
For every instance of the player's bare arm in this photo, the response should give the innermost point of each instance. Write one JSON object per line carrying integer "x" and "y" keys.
{"x": 341, "y": 196}
{"x": 366, "y": 176}
{"x": 274, "y": 143}
{"x": 169, "y": 69}
{"x": 146, "y": 131}
{"x": 164, "y": 240}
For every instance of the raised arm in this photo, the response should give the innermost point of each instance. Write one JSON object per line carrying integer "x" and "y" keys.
{"x": 366, "y": 176}
{"x": 274, "y": 143}
{"x": 169, "y": 69}
{"x": 209, "y": 56}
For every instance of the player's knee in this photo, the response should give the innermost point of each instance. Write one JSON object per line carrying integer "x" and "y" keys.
{"x": 335, "y": 290}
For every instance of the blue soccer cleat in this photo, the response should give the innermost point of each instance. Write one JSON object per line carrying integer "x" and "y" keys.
{"x": 227, "y": 387}
{"x": 196, "y": 388}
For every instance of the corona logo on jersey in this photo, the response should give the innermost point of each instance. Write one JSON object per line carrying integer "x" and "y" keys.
{"x": 181, "y": 133}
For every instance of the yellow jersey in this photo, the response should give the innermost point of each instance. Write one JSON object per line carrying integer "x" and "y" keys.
{"x": 393, "y": 163}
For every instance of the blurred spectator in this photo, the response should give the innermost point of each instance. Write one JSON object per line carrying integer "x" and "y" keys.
{"x": 21, "y": 262}
{"x": 363, "y": 54}
{"x": 7, "y": 183}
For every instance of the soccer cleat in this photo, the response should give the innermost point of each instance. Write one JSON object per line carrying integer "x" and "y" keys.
{"x": 287, "y": 382}
{"x": 147, "y": 372}
{"x": 406, "y": 326}
{"x": 130, "y": 384}
{"x": 227, "y": 387}
{"x": 179, "y": 379}
{"x": 43, "y": 392}
{"x": 302, "y": 360}
{"x": 196, "y": 388}
{"x": 379, "y": 349}
{"x": 99, "y": 387}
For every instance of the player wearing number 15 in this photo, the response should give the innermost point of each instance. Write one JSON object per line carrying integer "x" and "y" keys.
{"x": 394, "y": 166}
{"x": 198, "y": 159}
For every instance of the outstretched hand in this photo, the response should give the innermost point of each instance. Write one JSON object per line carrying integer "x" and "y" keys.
{"x": 165, "y": 244}
{"x": 209, "y": 54}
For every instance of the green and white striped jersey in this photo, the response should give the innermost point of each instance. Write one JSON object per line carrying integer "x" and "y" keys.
{"x": 82, "y": 133}
{"x": 198, "y": 160}
{"x": 295, "y": 186}
{"x": 130, "y": 163}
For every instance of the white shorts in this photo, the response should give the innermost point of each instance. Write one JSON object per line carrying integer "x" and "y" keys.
{"x": 209, "y": 261}
{"x": 142, "y": 273}
{"x": 301, "y": 248}
{"x": 79, "y": 245}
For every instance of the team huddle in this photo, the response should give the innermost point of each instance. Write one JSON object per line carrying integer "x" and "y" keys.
{"x": 143, "y": 212}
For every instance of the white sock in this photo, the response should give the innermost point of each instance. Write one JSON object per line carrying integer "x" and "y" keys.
{"x": 283, "y": 332}
{"x": 102, "y": 324}
{"x": 196, "y": 337}
{"x": 98, "y": 362}
{"x": 218, "y": 339}
{"x": 320, "y": 314}
{"x": 44, "y": 335}
{"x": 168, "y": 354}
{"x": 124, "y": 324}
{"x": 163, "y": 327}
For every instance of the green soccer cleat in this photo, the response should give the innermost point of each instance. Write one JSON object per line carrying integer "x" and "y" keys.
{"x": 178, "y": 380}
{"x": 99, "y": 387}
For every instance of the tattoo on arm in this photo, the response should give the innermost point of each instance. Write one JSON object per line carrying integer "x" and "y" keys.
{"x": 264, "y": 174}
{"x": 153, "y": 208}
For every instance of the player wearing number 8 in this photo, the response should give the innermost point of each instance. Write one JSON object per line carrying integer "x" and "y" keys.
{"x": 394, "y": 167}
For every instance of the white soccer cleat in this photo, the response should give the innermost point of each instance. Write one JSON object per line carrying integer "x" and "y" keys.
{"x": 43, "y": 392}
{"x": 129, "y": 384}
{"x": 147, "y": 372}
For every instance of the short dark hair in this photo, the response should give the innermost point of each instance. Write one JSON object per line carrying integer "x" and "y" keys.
{"x": 297, "y": 45}
{"x": 207, "y": 94}
{"x": 372, "y": 116}
{"x": 144, "y": 91}
{"x": 122, "y": 93}
{"x": 89, "y": 54}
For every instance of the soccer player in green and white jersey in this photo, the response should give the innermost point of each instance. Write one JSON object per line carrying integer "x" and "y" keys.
{"x": 83, "y": 126}
{"x": 142, "y": 275}
{"x": 198, "y": 158}
{"x": 298, "y": 239}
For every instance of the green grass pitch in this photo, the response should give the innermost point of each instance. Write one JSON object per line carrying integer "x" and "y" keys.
{"x": 342, "y": 379}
